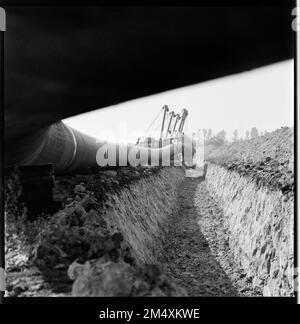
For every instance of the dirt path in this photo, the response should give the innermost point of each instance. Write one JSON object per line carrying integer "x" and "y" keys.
{"x": 189, "y": 260}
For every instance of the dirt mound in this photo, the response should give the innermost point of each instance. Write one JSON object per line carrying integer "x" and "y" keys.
{"x": 85, "y": 237}
{"x": 253, "y": 184}
{"x": 277, "y": 145}
{"x": 267, "y": 160}
{"x": 120, "y": 279}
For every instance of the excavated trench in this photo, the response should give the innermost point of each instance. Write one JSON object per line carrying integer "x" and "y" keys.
{"x": 132, "y": 232}
{"x": 190, "y": 262}
{"x": 164, "y": 250}
{"x": 155, "y": 232}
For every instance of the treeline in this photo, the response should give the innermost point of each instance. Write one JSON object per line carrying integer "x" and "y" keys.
{"x": 221, "y": 137}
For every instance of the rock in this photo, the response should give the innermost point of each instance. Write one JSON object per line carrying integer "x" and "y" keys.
{"x": 275, "y": 273}
{"x": 267, "y": 291}
{"x": 75, "y": 270}
{"x": 249, "y": 279}
{"x": 244, "y": 290}
{"x": 78, "y": 216}
{"x": 286, "y": 188}
{"x": 117, "y": 238}
{"x": 157, "y": 292}
{"x": 104, "y": 280}
{"x": 141, "y": 287}
{"x": 119, "y": 279}
{"x": 92, "y": 217}
{"x": 18, "y": 289}
{"x": 275, "y": 164}
{"x": 79, "y": 189}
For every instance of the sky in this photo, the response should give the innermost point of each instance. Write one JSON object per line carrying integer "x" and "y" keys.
{"x": 261, "y": 98}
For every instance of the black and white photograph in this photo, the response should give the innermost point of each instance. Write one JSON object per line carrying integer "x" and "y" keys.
{"x": 149, "y": 151}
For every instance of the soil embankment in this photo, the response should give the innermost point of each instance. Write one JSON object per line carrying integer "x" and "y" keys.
{"x": 253, "y": 183}
{"x": 107, "y": 241}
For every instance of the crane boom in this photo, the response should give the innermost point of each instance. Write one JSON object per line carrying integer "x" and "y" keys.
{"x": 175, "y": 124}
{"x": 172, "y": 114}
{"x": 183, "y": 118}
{"x": 166, "y": 109}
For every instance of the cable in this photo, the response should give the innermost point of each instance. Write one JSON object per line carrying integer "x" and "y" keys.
{"x": 160, "y": 111}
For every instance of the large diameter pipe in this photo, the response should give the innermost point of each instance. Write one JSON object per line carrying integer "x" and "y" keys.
{"x": 57, "y": 144}
{"x": 70, "y": 150}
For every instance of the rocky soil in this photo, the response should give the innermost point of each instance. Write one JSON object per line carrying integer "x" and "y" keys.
{"x": 77, "y": 252}
{"x": 193, "y": 260}
{"x": 277, "y": 145}
{"x": 267, "y": 160}
{"x": 81, "y": 252}
{"x": 214, "y": 227}
{"x": 253, "y": 182}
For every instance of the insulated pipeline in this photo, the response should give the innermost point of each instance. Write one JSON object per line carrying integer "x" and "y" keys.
{"x": 70, "y": 150}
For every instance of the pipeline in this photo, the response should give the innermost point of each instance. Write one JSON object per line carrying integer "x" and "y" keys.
{"x": 70, "y": 150}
